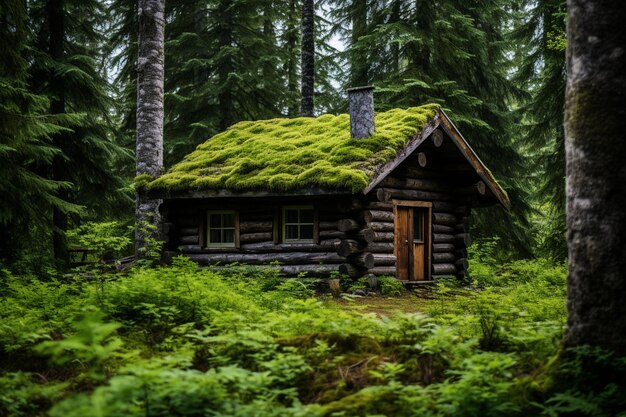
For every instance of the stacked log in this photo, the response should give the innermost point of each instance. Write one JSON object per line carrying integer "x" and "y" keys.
{"x": 463, "y": 240}
{"x": 387, "y": 194}
{"x": 357, "y": 238}
{"x": 257, "y": 246}
{"x": 437, "y": 138}
{"x": 317, "y": 270}
{"x": 444, "y": 240}
{"x": 379, "y": 217}
{"x": 443, "y": 247}
{"x": 287, "y": 258}
{"x": 348, "y": 247}
{"x": 449, "y": 233}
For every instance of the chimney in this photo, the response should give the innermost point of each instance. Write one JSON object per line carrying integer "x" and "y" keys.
{"x": 361, "y": 111}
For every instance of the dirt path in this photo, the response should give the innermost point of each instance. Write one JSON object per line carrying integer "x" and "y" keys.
{"x": 386, "y": 306}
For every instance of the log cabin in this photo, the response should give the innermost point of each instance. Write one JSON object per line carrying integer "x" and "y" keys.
{"x": 387, "y": 193}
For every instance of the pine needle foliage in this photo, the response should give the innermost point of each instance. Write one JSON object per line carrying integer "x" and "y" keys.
{"x": 539, "y": 34}
{"x": 453, "y": 53}
{"x": 67, "y": 69}
{"x": 26, "y": 131}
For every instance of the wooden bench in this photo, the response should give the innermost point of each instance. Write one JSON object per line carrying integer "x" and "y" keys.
{"x": 80, "y": 253}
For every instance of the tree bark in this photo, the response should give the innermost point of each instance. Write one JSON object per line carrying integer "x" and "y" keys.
{"x": 225, "y": 67}
{"x": 595, "y": 122}
{"x": 308, "y": 58}
{"x": 291, "y": 66}
{"x": 150, "y": 70}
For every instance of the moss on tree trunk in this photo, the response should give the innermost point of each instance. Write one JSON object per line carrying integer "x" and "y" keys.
{"x": 150, "y": 69}
{"x": 595, "y": 123}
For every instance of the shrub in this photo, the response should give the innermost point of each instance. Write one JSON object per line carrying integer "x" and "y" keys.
{"x": 390, "y": 286}
{"x": 107, "y": 239}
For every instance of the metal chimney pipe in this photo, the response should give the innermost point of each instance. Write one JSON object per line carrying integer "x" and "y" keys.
{"x": 361, "y": 111}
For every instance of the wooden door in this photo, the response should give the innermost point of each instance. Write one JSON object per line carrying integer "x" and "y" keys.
{"x": 412, "y": 241}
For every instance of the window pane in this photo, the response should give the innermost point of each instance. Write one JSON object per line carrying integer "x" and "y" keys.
{"x": 291, "y": 232}
{"x": 306, "y": 216}
{"x": 418, "y": 217}
{"x": 228, "y": 220}
{"x": 291, "y": 216}
{"x": 215, "y": 236}
{"x": 216, "y": 221}
{"x": 306, "y": 232}
{"x": 229, "y": 236}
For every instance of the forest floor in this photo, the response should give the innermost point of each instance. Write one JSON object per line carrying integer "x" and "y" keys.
{"x": 184, "y": 341}
{"x": 384, "y": 305}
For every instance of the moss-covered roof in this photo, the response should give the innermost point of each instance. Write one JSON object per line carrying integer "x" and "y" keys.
{"x": 288, "y": 154}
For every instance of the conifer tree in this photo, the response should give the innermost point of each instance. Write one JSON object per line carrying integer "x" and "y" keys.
{"x": 452, "y": 53}
{"x": 67, "y": 68}
{"x": 308, "y": 58}
{"x": 539, "y": 30}
{"x": 290, "y": 38}
{"x": 224, "y": 65}
{"x": 26, "y": 150}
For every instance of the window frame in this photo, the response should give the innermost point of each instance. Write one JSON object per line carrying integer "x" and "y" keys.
{"x": 235, "y": 228}
{"x": 421, "y": 218}
{"x": 284, "y": 224}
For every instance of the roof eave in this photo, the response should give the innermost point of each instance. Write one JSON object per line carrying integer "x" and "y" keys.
{"x": 384, "y": 170}
{"x": 303, "y": 192}
{"x": 481, "y": 170}
{"x": 442, "y": 120}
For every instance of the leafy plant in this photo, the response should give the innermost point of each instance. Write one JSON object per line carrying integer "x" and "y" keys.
{"x": 93, "y": 343}
{"x": 390, "y": 286}
{"x": 107, "y": 239}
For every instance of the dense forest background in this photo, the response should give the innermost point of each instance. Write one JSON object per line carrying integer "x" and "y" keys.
{"x": 528, "y": 334}
{"x": 68, "y": 98}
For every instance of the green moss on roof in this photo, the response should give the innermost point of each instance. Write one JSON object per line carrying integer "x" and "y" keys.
{"x": 287, "y": 154}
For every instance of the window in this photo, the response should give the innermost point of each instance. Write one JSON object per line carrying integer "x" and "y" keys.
{"x": 221, "y": 231}
{"x": 298, "y": 224}
{"x": 418, "y": 225}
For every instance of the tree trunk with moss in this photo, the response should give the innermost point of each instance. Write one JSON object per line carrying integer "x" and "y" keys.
{"x": 308, "y": 58}
{"x": 595, "y": 126}
{"x": 150, "y": 69}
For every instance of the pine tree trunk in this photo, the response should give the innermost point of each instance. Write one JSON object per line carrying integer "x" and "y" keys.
{"x": 150, "y": 69}
{"x": 291, "y": 66}
{"x": 308, "y": 58}
{"x": 225, "y": 68}
{"x": 595, "y": 122}
{"x": 56, "y": 23}
{"x": 269, "y": 33}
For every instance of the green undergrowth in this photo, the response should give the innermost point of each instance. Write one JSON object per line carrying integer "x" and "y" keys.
{"x": 181, "y": 341}
{"x": 284, "y": 154}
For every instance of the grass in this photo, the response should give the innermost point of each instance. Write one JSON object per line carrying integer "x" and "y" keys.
{"x": 386, "y": 306}
{"x": 285, "y": 154}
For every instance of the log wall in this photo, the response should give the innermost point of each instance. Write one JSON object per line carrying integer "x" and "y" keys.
{"x": 450, "y": 220}
{"x": 186, "y": 224}
{"x": 355, "y": 233}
